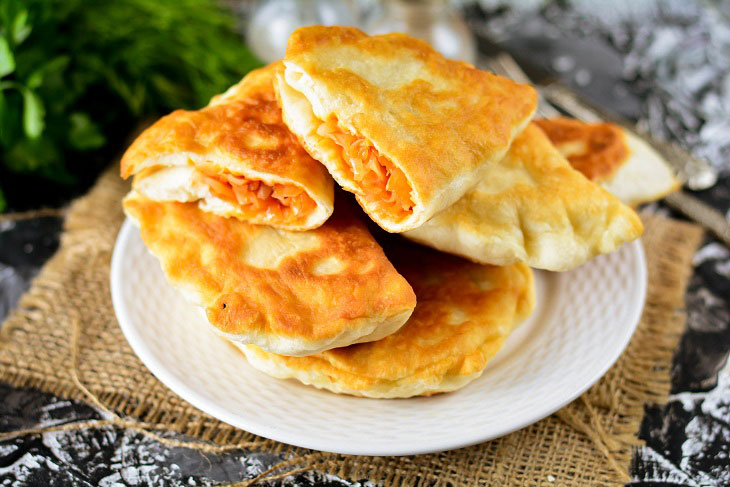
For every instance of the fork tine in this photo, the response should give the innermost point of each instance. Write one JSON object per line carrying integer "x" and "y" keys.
{"x": 511, "y": 69}
{"x": 503, "y": 64}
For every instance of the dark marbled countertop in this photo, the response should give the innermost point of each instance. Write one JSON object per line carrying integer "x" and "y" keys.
{"x": 645, "y": 69}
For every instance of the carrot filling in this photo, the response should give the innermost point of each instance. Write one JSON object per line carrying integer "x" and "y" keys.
{"x": 597, "y": 150}
{"x": 382, "y": 184}
{"x": 277, "y": 202}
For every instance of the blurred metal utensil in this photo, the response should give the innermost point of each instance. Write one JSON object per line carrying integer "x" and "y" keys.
{"x": 705, "y": 215}
{"x": 696, "y": 170}
{"x": 504, "y": 65}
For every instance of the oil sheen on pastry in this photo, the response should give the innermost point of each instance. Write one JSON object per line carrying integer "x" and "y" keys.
{"x": 532, "y": 207}
{"x": 465, "y": 312}
{"x": 293, "y": 293}
{"x": 404, "y": 129}
{"x": 235, "y": 158}
{"x": 614, "y": 158}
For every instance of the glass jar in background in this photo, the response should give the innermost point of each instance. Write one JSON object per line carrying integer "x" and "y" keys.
{"x": 434, "y": 21}
{"x": 272, "y": 21}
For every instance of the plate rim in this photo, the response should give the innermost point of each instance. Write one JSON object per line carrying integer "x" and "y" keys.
{"x": 159, "y": 370}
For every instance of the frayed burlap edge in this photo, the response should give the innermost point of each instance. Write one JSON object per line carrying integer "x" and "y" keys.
{"x": 64, "y": 339}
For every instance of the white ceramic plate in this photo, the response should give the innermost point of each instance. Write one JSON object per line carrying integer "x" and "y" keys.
{"x": 583, "y": 321}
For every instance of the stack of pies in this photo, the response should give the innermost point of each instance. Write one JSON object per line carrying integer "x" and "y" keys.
{"x": 413, "y": 285}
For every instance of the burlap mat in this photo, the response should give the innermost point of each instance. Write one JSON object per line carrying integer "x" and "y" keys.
{"x": 64, "y": 339}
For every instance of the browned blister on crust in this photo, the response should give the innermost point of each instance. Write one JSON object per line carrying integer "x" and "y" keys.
{"x": 609, "y": 155}
{"x": 465, "y": 312}
{"x": 236, "y": 158}
{"x": 406, "y": 130}
{"x": 294, "y": 293}
{"x": 596, "y": 150}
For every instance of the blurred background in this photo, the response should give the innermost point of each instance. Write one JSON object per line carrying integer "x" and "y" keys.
{"x": 77, "y": 77}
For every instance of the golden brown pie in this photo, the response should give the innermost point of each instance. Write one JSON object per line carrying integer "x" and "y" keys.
{"x": 235, "y": 158}
{"x": 293, "y": 293}
{"x": 614, "y": 158}
{"x": 465, "y": 312}
{"x": 404, "y": 129}
{"x": 532, "y": 207}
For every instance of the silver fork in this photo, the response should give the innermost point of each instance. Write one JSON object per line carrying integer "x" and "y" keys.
{"x": 504, "y": 64}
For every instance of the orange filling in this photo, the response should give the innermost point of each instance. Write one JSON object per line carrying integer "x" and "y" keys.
{"x": 382, "y": 184}
{"x": 596, "y": 150}
{"x": 280, "y": 202}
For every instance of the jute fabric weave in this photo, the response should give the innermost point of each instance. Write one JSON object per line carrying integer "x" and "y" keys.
{"x": 64, "y": 339}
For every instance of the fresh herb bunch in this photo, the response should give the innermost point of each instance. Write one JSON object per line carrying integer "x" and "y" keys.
{"x": 76, "y": 76}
